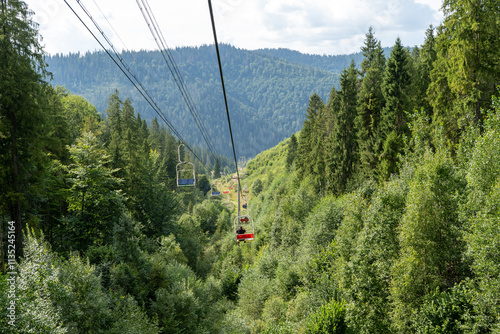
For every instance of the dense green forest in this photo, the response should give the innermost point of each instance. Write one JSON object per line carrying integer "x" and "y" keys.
{"x": 267, "y": 95}
{"x": 330, "y": 63}
{"x": 380, "y": 216}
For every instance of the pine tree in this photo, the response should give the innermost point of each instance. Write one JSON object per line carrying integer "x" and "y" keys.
{"x": 371, "y": 51}
{"x": 370, "y": 104}
{"x": 305, "y": 158}
{"x": 393, "y": 118}
{"x": 217, "y": 169}
{"x": 155, "y": 140}
{"x": 318, "y": 148}
{"x": 292, "y": 150}
{"x": 130, "y": 149}
{"x": 22, "y": 74}
{"x": 114, "y": 127}
{"x": 342, "y": 142}
{"x": 425, "y": 63}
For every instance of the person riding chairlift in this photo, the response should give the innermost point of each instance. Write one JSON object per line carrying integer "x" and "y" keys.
{"x": 240, "y": 230}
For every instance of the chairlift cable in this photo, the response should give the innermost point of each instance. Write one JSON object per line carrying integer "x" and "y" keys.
{"x": 157, "y": 34}
{"x": 145, "y": 94}
{"x": 224, "y": 92}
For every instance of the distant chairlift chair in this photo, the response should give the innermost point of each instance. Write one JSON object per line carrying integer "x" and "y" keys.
{"x": 185, "y": 168}
{"x": 213, "y": 190}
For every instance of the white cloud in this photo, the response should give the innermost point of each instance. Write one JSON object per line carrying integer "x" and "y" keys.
{"x": 314, "y": 26}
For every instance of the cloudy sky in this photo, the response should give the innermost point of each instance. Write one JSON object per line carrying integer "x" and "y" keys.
{"x": 310, "y": 26}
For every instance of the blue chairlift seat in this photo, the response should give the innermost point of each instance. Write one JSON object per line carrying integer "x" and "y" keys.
{"x": 184, "y": 168}
{"x": 185, "y": 182}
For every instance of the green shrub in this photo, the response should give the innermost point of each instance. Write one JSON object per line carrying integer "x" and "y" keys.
{"x": 443, "y": 312}
{"x": 256, "y": 187}
{"x": 329, "y": 318}
{"x": 274, "y": 310}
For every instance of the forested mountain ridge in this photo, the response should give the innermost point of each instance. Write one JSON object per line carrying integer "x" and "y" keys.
{"x": 267, "y": 96}
{"x": 331, "y": 63}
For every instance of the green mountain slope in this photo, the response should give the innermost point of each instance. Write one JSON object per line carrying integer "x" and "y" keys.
{"x": 267, "y": 95}
{"x": 331, "y": 63}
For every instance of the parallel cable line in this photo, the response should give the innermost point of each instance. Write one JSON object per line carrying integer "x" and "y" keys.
{"x": 224, "y": 93}
{"x": 144, "y": 92}
{"x": 155, "y": 30}
{"x": 125, "y": 48}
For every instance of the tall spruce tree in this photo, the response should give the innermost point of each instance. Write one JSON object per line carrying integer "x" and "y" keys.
{"x": 318, "y": 148}
{"x": 342, "y": 142}
{"x": 114, "y": 131}
{"x": 22, "y": 74}
{"x": 370, "y": 104}
{"x": 306, "y": 160}
{"x": 217, "y": 169}
{"x": 393, "y": 124}
{"x": 292, "y": 150}
{"x": 370, "y": 51}
{"x": 424, "y": 65}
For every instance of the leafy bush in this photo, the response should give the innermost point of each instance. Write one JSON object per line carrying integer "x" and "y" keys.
{"x": 430, "y": 237}
{"x": 257, "y": 187}
{"x": 274, "y": 310}
{"x": 130, "y": 319}
{"x": 322, "y": 223}
{"x": 329, "y": 318}
{"x": 38, "y": 285}
{"x": 253, "y": 292}
{"x": 365, "y": 278}
{"x": 443, "y": 312}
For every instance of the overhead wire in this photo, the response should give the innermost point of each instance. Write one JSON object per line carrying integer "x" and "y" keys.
{"x": 176, "y": 69}
{"x": 168, "y": 57}
{"x": 125, "y": 48}
{"x": 225, "y": 96}
{"x": 144, "y": 92}
{"x": 211, "y": 148}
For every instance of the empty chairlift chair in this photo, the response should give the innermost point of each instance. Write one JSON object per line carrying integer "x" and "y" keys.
{"x": 214, "y": 191}
{"x": 184, "y": 172}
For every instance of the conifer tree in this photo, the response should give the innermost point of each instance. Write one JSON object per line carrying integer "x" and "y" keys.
{"x": 130, "y": 151}
{"x": 318, "y": 150}
{"x": 371, "y": 50}
{"x": 217, "y": 169}
{"x": 292, "y": 150}
{"x": 466, "y": 72}
{"x": 393, "y": 124}
{"x": 342, "y": 155}
{"x": 424, "y": 65}
{"x": 169, "y": 158}
{"x": 370, "y": 104}
{"x": 155, "y": 140}
{"x": 22, "y": 75}
{"x": 114, "y": 127}
{"x": 306, "y": 160}
{"x": 143, "y": 135}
